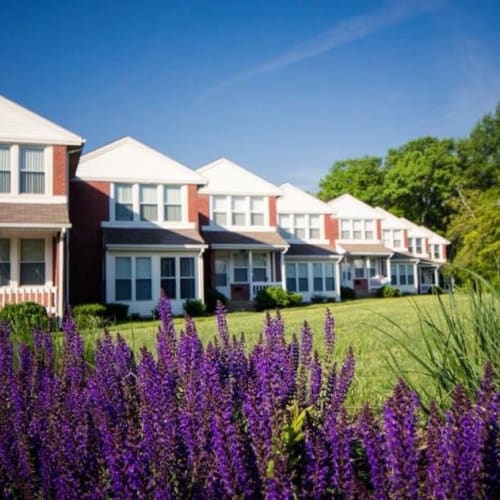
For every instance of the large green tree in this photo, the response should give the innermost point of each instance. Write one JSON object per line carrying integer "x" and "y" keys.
{"x": 420, "y": 181}
{"x": 361, "y": 177}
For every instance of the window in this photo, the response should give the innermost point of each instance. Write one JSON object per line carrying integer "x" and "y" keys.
{"x": 219, "y": 210}
{"x": 123, "y": 278}
{"x": 220, "y": 272}
{"x": 143, "y": 278}
{"x": 168, "y": 276}
{"x": 238, "y": 212}
{"x": 329, "y": 277}
{"x": 4, "y": 262}
{"x": 402, "y": 274}
{"x": 436, "y": 251}
{"x": 418, "y": 245}
{"x": 345, "y": 229}
{"x": 317, "y": 277}
{"x": 124, "y": 209}
{"x": 300, "y": 227}
{"x": 359, "y": 268}
{"x": 387, "y": 237}
{"x": 357, "y": 229}
{"x": 187, "y": 278}
{"x": 4, "y": 169}
{"x": 397, "y": 238}
{"x": 32, "y": 262}
{"x": 369, "y": 234}
{"x": 257, "y": 210}
{"x": 31, "y": 171}
{"x": 148, "y": 202}
{"x": 285, "y": 223}
{"x": 303, "y": 277}
{"x": 259, "y": 267}
{"x": 240, "y": 267}
{"x": 173, "y": 206}
{"x": 291, "y": 278}
{"x": 314, "y": 227}
{"x": 297, "y": 277}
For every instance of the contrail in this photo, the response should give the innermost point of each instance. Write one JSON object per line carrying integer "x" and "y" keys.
{"x": 341, "y": 33}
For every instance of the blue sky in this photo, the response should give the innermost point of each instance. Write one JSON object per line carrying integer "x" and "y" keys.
{"x": 284, "y": 88}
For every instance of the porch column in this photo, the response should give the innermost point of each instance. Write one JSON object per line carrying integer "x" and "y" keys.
{"x": 250, "y": 274}
{"x": 338, "y": 278}
{"x": 389, "y": 272}
{"x": 367, "y": 273}
{"x": 283, "y": 270}
{"x": 201, "y": 276}
{"x": 436, "y": 276}
{"x": 60, "y": 274}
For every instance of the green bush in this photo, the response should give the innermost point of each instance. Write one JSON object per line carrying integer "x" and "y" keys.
{"x": 211, "y": 298}
{"x": 435, "y": 290}
{"x": 387, "y": 291}
{"x": 194, "y": 307}
{"x": 89, "y": 316}
{"x": 347, "y": 293}
{"x": 23, "y": 318}
{"x": 274, "y": 296}
{"x": 294, "y": 299}
{"x": 116, "y": 312}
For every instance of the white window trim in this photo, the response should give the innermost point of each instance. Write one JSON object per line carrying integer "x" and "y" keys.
{"x": 364, "y": 230}
{"x": 390, "y": 242}
{"x": 396, "y": 270}
{"x": 248, "y": 213}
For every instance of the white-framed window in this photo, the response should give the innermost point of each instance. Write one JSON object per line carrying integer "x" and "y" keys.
{"x": 240, "y": 267}
{"x": 220, "y": 272}
{"x": 436, "y": 251}
{"x": 172, "y": 208}
{"x": 123, "y": 278}
{"x": 357, "y": 229}
{"x": 416, "y": 245}
{"x": 238, "y": 210}
{"x": 393, "y": 238}
{"x": 300, "y": 226}
{"x": 297, "y": 277}
{"x": 323, "y": 277}
{"x": 187, "y": 278}
{"x": 32, "y": 262}
{"x": 124, "y": 205}
{"x": 398, "y": 238}
{"x": 402, "y": 274}
{"x": 168, "y": 276}
{"x": 148, "y": 202}
{"x": 259, "y": 267}
{"x": 387, "y": 237}
{"x": 31, "y": 170}
{"x": 143, "y": 282}
{"x": 359, "y": 268}
{"x": 4, "y": 262}
{"x": 5, "y": 175}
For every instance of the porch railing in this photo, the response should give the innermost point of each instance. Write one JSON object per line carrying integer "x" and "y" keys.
{"x": 258, "y": 286}
{"x": 43, "y": 295}
{"x": 379, "y": 281}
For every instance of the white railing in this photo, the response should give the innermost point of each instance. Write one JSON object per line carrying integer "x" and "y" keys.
{"x": 262, "y": 285}
{"x": 379, "y": 281}
{"x": 43, "y": 295}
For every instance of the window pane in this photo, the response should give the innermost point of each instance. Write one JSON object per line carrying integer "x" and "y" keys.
{"x": 329, "y": 270}
{"x": 317, "y": 270}
{"x": 220, "y": 279}
{"x": 172, "y": 195}
{"x": 314, "y": 233}
{"x": 329, "y": 284}
{"x": 259, "y": 260}
{"x": 123, "y": 193}
{"x": 345, "y": 235}
{"x": 4, "y": 169}
{"x": 4, "y": 250}
{"x": 149, "y": 212}
{"x": 284, "y": 221}
{"x": 124, "y": 212}
{"x": 259, "y": 274}
{"x": 33, "y": 273}
{"x": 314, "y": 221}
{"x": 143, "y": 268}
{"x": 300, "y": 233}
{"x": 219, "y": 203}
{"x": 173, "y": 213}
{"x": 123, "y": 289}
{"x": 318, "y": 284}
{"x": 345, "y": 225}
{"x": 32, "y": 251}
{"x": 4, "y": 273}
{"x": 291, "y": 284}
{"x": 359, "y": 272}
{"x": 123, "y": 268}
{"x": 32, "y": 182}
{"x": 123, "y": 202}
{"x": 168, "y": 287}
{"x": 257, "y": 204}
{"x": 257, "y": 219}
{"x": 303, "y": 285}
{"x": 369, "y": 235}
{"x": 167, "y": 265}
{"x": 239, "y": 219}
{"x": 239, "y": 204}
{"x": 241, "y": 275}
{"x": 187, "y": 266}
{"x": 32, "y": 176}
{"x": 290, "y": 270}
{"x": 369, "y": 225}
{"x": 142, "y": 289}
{"x": 187, "y": 288}
{"x": 220, "y": 218}
{"x": 300, "y": 221}
{"x": 148, "y": 194}
{"x": 240, "y": 259}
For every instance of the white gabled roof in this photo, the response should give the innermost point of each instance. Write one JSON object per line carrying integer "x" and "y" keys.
{"x": 295, "y": 200}
{"x": 391, "y": 221}
{"x": 417, "y": 231}
{"x": 20, "y": 125}
{"x": 225, "y": 177}
{"x": 347, "y": 205}
{"x": 128, "y": 160}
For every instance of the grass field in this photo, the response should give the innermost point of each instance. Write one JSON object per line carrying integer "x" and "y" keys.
{"x": 358, "y": 323}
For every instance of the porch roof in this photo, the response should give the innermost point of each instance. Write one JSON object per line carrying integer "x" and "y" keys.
{"x": 304, "y": 250}
{"x": 410, "y": 257}
{"x": 249, "y": 239}
{"x": 365, "y": 249}
{"x": 127, "y": 237}
{"x": 34, "y": 215}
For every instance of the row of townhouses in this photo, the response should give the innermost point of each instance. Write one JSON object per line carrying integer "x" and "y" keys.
{"x": 122, "y": 222}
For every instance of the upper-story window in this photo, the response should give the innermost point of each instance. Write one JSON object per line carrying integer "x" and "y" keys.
{"x": 357, "y": 229}
{"x": 416, "y": 245}
{"x": 147, "y": 202}
{"x": 300, "y": 226}
{"x": 4, "y": 169}
{"x": 436, "y": 251}
{"x": 393, "y": 238}
{"x": 31, "y": 170}
{"x": 238, "y": 210}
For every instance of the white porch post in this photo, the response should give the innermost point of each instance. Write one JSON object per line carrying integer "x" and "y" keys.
{"x": 250, "y": 273}
{"x": 338, "y": 278}
{"x": 436, "y": 276}
{"x": 201, "y": 276}
{"x": 389, "y": 272}
{"x": 283, "y": 270}
{"x": 367, "y": 273}
{"x": 60, "y": 277}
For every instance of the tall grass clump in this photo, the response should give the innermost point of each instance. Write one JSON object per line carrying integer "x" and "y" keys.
{"x": 219, "y": 422}
{"x": 456, "y": 343}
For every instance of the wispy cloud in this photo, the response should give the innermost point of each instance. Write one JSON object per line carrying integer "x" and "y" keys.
{"x": 390, "y": 13}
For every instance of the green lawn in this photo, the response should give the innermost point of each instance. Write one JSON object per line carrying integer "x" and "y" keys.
{"x": 358, "y": 323}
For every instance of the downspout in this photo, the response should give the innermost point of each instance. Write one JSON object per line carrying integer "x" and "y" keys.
{"x": 338, "y": 278}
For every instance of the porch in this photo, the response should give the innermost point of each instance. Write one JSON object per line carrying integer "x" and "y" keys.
{"x": 366, "y": 274}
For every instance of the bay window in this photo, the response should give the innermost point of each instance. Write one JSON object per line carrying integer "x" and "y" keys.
{"x": 31, "y": 170}
{"x": 4, "y": 169}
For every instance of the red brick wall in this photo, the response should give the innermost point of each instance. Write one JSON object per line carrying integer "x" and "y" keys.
{"x": 60, "y": 171}
{"x": 405, "y": 238}
{"x": 204, "y": 209}
{"x": 331, "y": 229}
{"x": 378, "y": 234}
{"x": 443, "y": 251}
{"x": 89, "y": 206}
{"x": 273, "y": 219}
{"x": 193, "y": 203}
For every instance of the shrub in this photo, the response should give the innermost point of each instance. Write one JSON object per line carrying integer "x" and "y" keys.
{"x": 435, "y": 290}
{"x": 347, "y": 293}
{"x": 89, "y": 316}
{"x": 194, "y": 307}
{"x": 294, "y": 299}
{"x": 387, "y": 291}
{"x": 116, "y": 312}
{"x": 23, "y": 318}
{"x": 211, "y": 298}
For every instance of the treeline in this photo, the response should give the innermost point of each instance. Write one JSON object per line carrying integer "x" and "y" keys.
{"x": 448, "y": 185}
